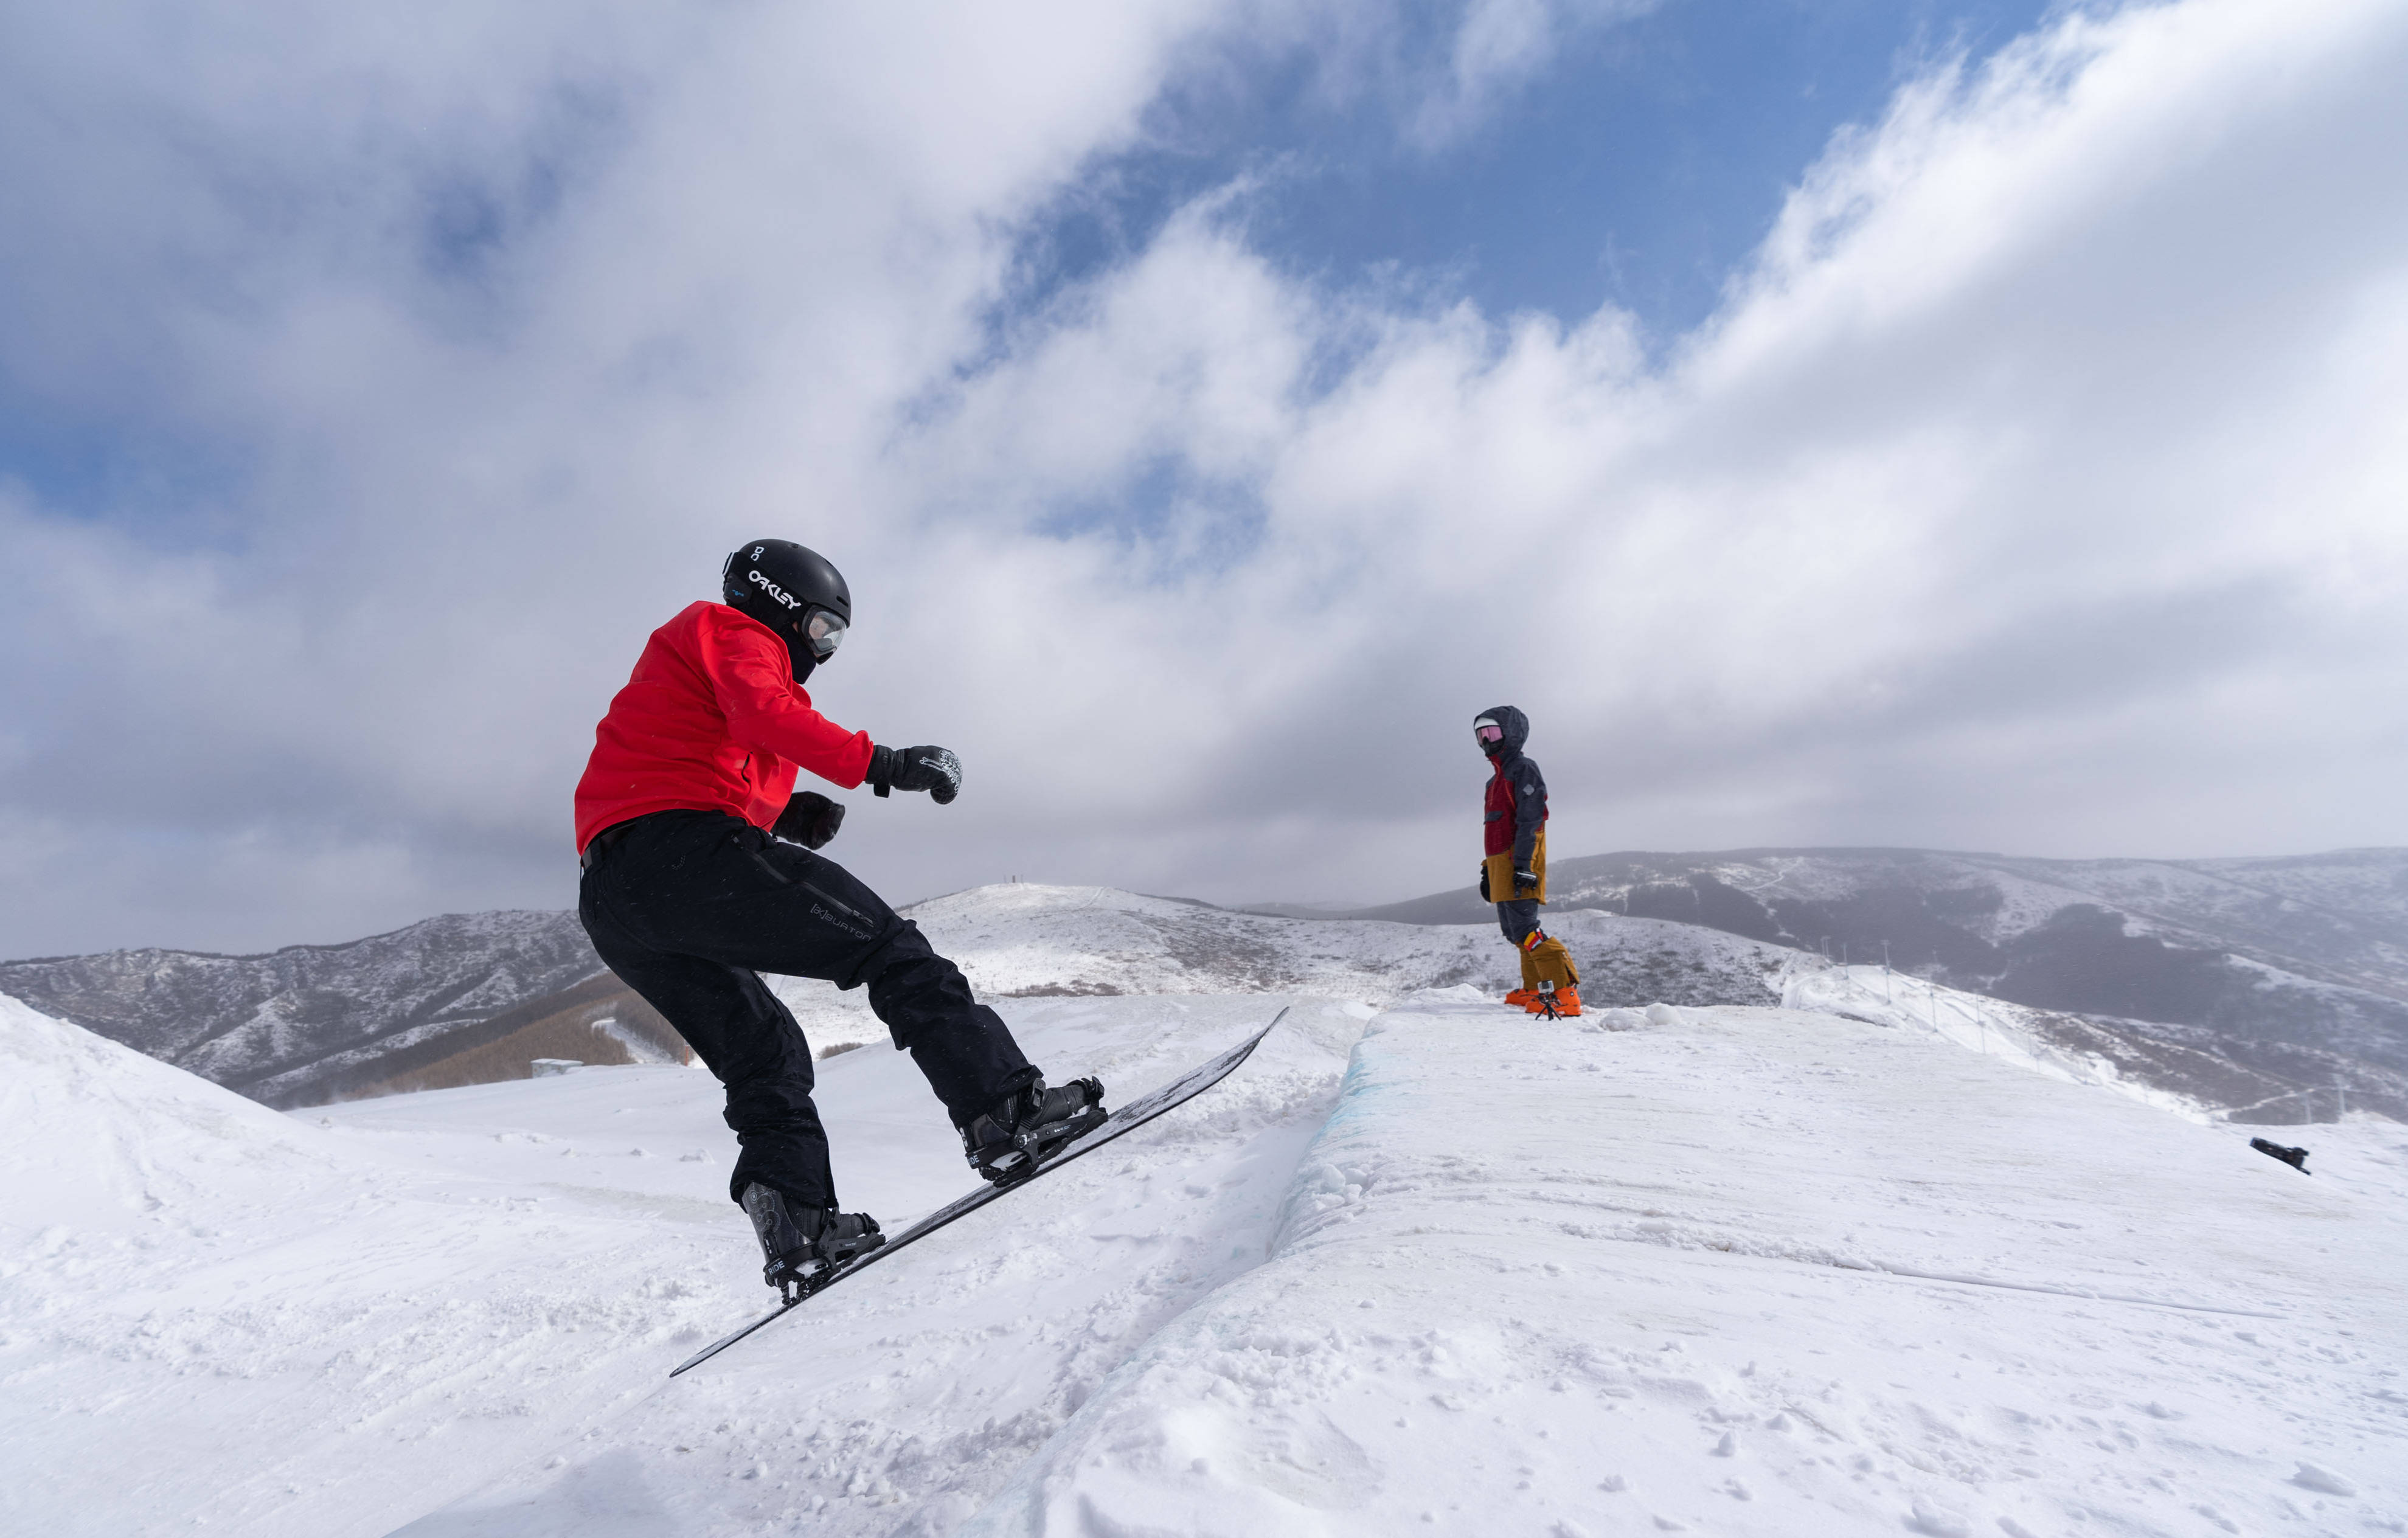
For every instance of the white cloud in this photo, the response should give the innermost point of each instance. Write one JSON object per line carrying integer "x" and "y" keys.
{"x": 2038, "y": 489}
{"x": 1498, "y": 46}
{"x": 2002, "y": 503}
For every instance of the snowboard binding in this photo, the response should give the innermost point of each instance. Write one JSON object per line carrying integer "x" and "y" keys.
{"x": 804, "y": 1246}
{"x": 794, "y": 1286}
{"x": 1007, "y": 1141}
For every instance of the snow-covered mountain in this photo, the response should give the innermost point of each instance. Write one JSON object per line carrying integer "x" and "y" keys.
{"x": 309, "y": 1022}
{"x": 470, "y": 999}
{"x": 1037, "y": 941}
{"x": 2339, "y": 918}
{"x": 313, "y": 1023}
{"x": 2295, "y": 969}
{"x": 1437, "y": 1267}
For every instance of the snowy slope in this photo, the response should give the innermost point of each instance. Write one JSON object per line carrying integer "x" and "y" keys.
{"x": 351, "y": 1316}
{"x": 1740, "y": 1271}
{"x": 2033, "y": 1040}
{"x": 105, "y": 1139}
{"x": 211, "y": 1311}
{"x": 1591, "y": 1253}
{"x": 1756, "y": 1272}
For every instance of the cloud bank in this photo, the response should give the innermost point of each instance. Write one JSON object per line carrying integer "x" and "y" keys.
{"x": 2038, "y": 486}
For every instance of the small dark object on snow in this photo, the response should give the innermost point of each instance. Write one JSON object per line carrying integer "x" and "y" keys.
{"x": 2295, "y": 1157}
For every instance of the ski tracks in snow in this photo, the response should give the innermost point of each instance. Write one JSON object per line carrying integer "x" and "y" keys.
{"x": 899, "y": 1404}
{"x": 1537, "y": 1279}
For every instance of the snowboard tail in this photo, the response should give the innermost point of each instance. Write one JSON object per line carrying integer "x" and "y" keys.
{"x": 1130, "y": 1117}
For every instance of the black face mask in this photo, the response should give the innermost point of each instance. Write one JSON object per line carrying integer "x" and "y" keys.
{"x": 798, "y": 651}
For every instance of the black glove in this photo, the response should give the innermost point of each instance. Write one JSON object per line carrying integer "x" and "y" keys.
{"x": 810, "y": 819}
{"x": 1523, "y": 878}
{"x": 934, "y": 770}
{"x": 1483, "y": 882}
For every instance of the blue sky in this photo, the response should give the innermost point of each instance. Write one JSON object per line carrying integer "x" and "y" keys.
{"x": 1954, "y": 426}
{"x": 1639, "y": 167}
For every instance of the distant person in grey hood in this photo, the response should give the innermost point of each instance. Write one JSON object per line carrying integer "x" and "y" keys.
{"x": 1513, "y": 869}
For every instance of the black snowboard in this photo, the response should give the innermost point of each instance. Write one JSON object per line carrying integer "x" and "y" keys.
{"x": 1136, "y": 1114}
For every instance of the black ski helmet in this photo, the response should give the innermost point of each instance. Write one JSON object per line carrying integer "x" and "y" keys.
{"x": 795, "y": 591}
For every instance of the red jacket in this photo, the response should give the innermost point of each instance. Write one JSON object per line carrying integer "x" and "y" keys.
{"x": 712, "y": 720}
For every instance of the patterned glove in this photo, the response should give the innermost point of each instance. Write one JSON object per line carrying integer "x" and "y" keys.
{"x": 934, "y": 770}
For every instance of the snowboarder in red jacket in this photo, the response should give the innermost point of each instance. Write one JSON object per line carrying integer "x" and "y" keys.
{"x": 700, "y": 875}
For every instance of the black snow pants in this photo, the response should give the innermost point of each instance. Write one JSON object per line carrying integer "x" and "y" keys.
{"x": 689, "y": 907}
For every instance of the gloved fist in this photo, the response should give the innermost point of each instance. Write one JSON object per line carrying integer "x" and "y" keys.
{"x": 810, "y": 819}
{"x": 934, "y": 770}
{"x": 1484, "y": 883}
{"x": 1524, "y": 878}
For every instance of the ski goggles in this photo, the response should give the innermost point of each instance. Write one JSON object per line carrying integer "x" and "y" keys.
{"x": 823, "y": 631}
{"x": 1487, "y": 733}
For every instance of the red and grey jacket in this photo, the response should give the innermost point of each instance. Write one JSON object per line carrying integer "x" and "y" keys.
{"x": 1516, "y": 803}
{"x": 710, "y": 721}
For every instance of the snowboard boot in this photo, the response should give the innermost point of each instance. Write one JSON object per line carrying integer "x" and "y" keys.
{"x": 1556, "y": 1003}
{"x": 804, "y": 1244}
{"x": 1522, "y": 997}
{"x": 1011, "y": 1138}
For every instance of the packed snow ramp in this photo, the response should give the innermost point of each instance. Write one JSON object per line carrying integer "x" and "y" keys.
{"x": 1740, "y": 1271}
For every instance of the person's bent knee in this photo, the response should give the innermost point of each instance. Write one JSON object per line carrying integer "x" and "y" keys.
{"x": 901, "y": 946}
{"x": 1517, "y": 921}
